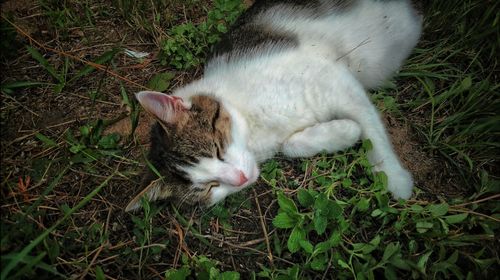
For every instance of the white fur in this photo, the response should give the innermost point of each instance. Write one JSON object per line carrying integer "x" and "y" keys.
{"x": 311, "y": 98}
{"x": 330, "y": 137}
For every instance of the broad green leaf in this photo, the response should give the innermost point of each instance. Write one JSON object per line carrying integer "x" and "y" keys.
{"x": 322, "y": 247}
{"x": 293, "y": 272}
{"x": 307, "y": 246}
{"x": 376, "y": 212}
{"x": 367, "y": 248}
{"x": 389, "y": 273}
{"x": 286, "y": 204}
{"x": 85, "y": 130}
{"x": 391, "y": 249}
{"x": 376, "y": 240}
{"x": 321, "y": 204}
{"x": 457, "y": 218}
{"x": 283, "y": 220}
{"x": 46, "y": 140}
{"x": 363, "y": 204}
{"x": 423, "y": 260}
{"x": 466, "y": 83}
{"x": 444, "y": 225}
{"x": 367, "y": 145}
{"x": 346, "y": 182}
{"x": 343, "y": 264}
{"x": 360, "y": 275}
{"x": 320, "y": 222}
{"x": 214, "y": 274}
{"x": 334, "y": 209}
{"x": 400, "y": 263}
{"x": 416, "y": 208}
{"x": 99, "y": 274}
{"x": 423, "y": 226}
{"x": 438, "y": 210}
{"x": 109, "y": 141}
{"x": 319, "y": 263}
{"x": 335, "y": 238}
{"x": 360, "y": 246}
{"x": 161, "y": 81}
{"x": 305, "y": 198}
{"x": 229, "y": 275}
{"x": 383, "y": 201}
{"x": 125, "y": 99}
{"x": 76, "y": 148}
{"x": 178, "y": 274}
{"x": 294, "y": 239}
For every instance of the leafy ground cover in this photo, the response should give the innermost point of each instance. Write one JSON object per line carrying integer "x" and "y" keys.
{"x": 69, "y": 75}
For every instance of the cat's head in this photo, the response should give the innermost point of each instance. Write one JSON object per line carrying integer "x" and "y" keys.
{"x": 198, "y": 147}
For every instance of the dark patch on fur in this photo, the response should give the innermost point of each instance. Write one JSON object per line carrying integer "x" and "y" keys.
{"x": 163, "y": 157}
{"x": 216, "y": 117}
{"x": 246, "y": 35}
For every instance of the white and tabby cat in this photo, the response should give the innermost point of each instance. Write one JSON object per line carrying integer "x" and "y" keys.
{"x": 290, "y": 77}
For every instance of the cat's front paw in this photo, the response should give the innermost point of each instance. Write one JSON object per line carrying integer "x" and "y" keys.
{"x": 400, "y": 183}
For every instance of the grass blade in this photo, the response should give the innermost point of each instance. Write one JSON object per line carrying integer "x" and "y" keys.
{"x": 8, "y": 88}
{"x": 105, "y": 57}
{"x": 46, "y": 140}
{"x": 44, "y": 62}
{"x": 21, "y": 255}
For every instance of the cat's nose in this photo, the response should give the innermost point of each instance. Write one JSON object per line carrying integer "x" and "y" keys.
{"x": 242, "y": 179}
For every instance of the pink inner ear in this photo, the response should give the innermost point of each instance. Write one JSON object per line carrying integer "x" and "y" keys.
{"x": 165, "y": 107}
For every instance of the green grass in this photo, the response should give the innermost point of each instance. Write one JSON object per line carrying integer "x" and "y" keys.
{"x": 326, "y": 217}
{"x": 456, "y": 87}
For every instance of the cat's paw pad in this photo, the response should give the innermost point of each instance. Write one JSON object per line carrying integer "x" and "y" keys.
{"x": 400, "y": 184}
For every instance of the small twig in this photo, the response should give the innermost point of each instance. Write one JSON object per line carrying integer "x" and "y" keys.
{"x": 154, "y": 271}
{"x": 478, "y": 201}
{"x": 86, "y": 271}
{"x": 239, "y": 246}
{"x": 264, "y": 229}
{"x": 20, "y": 104}
{"x": 474, "y": 213}
{"x": 232, "y": 259}
{"x": 163, "y": 246}
{"x": 252, "y": 242}
{"x": 364, "y": 42}
{"x": 180, "y": 235}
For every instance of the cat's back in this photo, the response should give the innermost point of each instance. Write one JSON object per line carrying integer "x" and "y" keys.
{"x": 371, "y": 37}
{"x": 253, "y": 31}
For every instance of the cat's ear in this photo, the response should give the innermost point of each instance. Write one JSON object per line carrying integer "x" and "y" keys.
{"x": 166, "y": 108}
{"x": 154, "y": 191}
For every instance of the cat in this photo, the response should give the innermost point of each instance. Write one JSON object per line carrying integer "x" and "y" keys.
{"x": 291, "y": 76}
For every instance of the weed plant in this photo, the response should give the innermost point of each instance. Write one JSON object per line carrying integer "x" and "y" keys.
{"x": 188, "y": 43}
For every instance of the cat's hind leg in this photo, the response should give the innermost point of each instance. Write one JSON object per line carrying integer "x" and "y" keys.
{"x": 359, "y": 108}
{"x": 332, "y": 136}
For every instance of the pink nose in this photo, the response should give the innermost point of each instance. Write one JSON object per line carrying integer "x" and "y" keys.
{"x": 242, "y": 179}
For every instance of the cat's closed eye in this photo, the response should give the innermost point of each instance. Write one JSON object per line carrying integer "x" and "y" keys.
{"x": 211, "y": 185}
